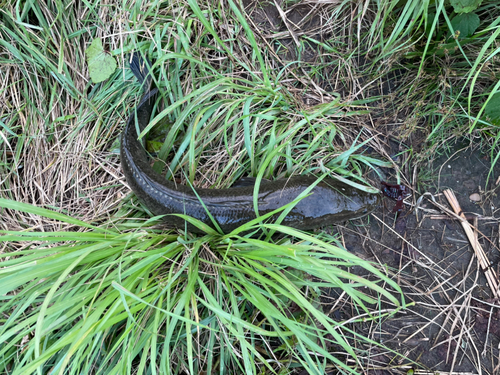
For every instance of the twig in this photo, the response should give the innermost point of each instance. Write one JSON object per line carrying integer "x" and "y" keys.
{"x": 478, "y": 250}
{"x": 467, "y": 217}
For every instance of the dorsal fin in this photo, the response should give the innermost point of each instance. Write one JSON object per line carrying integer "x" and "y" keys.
{"x": 247, "y": 181}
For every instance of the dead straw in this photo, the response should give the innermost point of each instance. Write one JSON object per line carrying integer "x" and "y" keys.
{"x": 473, "y": 239}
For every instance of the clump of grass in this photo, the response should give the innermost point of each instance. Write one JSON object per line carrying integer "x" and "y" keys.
{"x": 402, "y": 62}
{"x": 107, "y": 299}
{"x": 455, "y": 71}
{"x": 56, "y": 149}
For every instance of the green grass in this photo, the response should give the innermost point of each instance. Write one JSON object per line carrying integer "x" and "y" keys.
{"x": 117, "y": 300}
{"x": 89, "y": 284}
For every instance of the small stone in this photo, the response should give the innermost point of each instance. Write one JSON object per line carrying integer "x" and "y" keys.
{"x": 475, "y": 197}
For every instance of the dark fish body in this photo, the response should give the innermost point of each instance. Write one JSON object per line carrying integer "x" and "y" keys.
{"x": 330, "y": 201}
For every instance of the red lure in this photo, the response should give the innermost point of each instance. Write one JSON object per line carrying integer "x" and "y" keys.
{"x": 396, "y": 192}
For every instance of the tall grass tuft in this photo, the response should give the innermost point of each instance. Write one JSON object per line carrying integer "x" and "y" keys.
{"x": 114, "y": 300}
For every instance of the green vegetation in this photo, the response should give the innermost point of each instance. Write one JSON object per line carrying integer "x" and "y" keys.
{"x": 90, "y": 284}
{"x": 101, "y": 65}
{"x": 108, "y": 300}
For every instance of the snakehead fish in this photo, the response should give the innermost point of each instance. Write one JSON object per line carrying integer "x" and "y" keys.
{"x": 330, "y": 201}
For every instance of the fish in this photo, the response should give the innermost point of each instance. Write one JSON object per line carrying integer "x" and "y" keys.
{"x": 329, "y": 201}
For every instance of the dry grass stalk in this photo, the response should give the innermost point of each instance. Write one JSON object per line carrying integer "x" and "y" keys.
{"x": 473, "y": 239}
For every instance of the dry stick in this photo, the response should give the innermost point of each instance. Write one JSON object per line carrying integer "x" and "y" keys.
{"x": 285, "y": 20}
{"x": 478, "y": 250}
{"x": 468, "y": 217}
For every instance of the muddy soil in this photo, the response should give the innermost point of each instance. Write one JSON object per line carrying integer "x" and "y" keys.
{"x": 454, "y": 323}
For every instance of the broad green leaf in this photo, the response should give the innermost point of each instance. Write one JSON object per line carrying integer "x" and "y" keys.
{"x": 466, "y": 24}
{"x": 492, "y": 109}
{"x": 465, "y": 6}
{"x": 101, "y": 64}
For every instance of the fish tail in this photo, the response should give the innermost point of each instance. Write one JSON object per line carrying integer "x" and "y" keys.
{"x": 141, "y": 67}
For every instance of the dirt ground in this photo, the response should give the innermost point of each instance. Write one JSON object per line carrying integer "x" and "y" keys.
{"x": 452, "y": 322}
